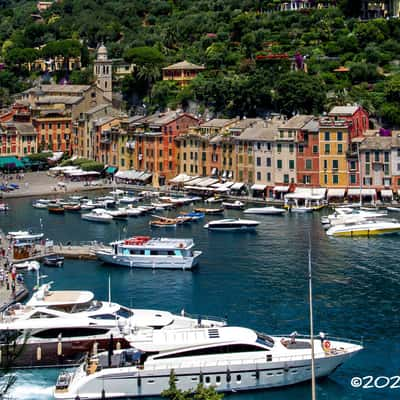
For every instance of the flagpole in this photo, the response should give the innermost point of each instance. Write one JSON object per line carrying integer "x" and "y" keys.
{"x": 313, "y": 392}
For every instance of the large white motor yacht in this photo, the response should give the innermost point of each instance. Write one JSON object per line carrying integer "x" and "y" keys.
{"x": 57, "y": 327}
{"x": 147, "y": 252}
{"x": 365, "y": 228}
{"x": 227, "y": 358}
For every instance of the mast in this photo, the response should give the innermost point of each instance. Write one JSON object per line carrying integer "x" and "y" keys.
{"x": 313, "y": 392}
{"x": 109, "y": 290}
{"x": 359, "y": 171}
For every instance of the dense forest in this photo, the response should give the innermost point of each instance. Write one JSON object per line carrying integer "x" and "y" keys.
{"x": 232, "y": 38}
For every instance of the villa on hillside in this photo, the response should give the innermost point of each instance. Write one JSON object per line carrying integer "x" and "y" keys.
{"x": 181, "y": 72}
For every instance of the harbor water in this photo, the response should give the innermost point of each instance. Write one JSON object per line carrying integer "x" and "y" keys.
{"x": 257, "y": 280}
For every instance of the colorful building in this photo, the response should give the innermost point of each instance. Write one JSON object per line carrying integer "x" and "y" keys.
{"x": 107, "y": 138}
{"x": 333, "y": 146}
{"x": 17, "y": 139}
{"x": 182, "y": 72}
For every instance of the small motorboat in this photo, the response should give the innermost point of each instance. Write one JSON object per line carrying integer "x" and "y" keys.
{"x": 98, "y": 215}
{"x": 195, "y": 216}
{"x": 72, "y": 207}
{"x": 232, "y": 224}
{"x": 265, "y": 210}
{"x": 129, "y": 199}
{"x": 55, "y": 208}
{"x": 214, "y": 199}
{"x": 393, "y": 209}
{"x": 39, "y": 205}
{"x": 29, "y": 265}
{"x": 301, "y": 209}
{"x": 119, "y": 214}
{"x": 163, "y": 222}
{"x": 4, "y": 207}
{"x": 210, "y": 211}
{"x": 236, "y": 205}
{"x": 133, "y": 211}
{"x": 53, "y": 261}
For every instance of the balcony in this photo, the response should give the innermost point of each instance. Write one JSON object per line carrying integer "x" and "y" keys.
{"x": 351, "y": 154}
{"x": 130, "y": 145}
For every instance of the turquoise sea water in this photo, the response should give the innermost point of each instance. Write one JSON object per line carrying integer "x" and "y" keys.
{"x": 257, "y": 280}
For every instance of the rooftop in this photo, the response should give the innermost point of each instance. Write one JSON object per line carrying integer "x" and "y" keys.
{"x": 218, "y": 123}
{"x": 376, "y": 143}
{"x": 261, "y": 131}
{"x": 344, "y": 110}
{"x": 296, "y": 122}
{"x": 184, "y": 65}
{"x": 164, "y": 118}
{"x": 59, "y": 100}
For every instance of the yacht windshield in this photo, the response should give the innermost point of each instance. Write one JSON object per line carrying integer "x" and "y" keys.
{"x": 124, "y": 312}
{"x": 265, "y": 340}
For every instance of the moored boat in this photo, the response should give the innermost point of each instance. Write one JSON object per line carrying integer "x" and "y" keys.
{"x": 54, "y": 208}
{"x": 265, "y": 210}
{"x": 365, "y": 228}
{"x": 147, "y": 252}
{"x": 236, "y": 205}
{"x": 232, "y": 224}
{"x": 54, "y": 260}
{"x": 98, "y": 215}
{"x": 228, "y": 358}
{"x": 209, "y": 211}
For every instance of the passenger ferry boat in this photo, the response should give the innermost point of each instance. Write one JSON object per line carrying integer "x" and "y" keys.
{"x": 147, "y": 252}
{"x": 229, "y": 358}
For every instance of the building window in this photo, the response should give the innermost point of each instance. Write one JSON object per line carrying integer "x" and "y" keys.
{"x": 160, "y": 166}
{"x": 308, "y": 164}
{"x": 340, "y": 136}
{"x": 269, "y": 162}
{"x": 259, "y": 176}
{"x": 268, "y": 176}
{"x": 335, "y": 179}
{"x": 353, "y": 179}
{"x": 269, "y": 146}
{"x": 325, "y": 179}
{"x": 258, "y": 161}
{"x": 279, "y": 164}
{"x": 315, "y": 149}
{"x": 325, "y": 164}
{"x": 367, "y": 169}
{"x": 291, "y": 147}
{"x": 340, "y": 148}
{"x": 279, "y": 148}
{"x": 376, "y": 156}
{"x": 307, "y": 179}
{"x": 387, "y": 181}
{"x": 122, "y": 162}
{"x": 327, "y": 148}
{"x": 301, "y": 148}
{"x": 50, "y": 126}
{"x": 326, "y": 136}
{"x": 367, "y": 181}
{"x": 367, "y": 157}
{"x": 386, "y": 156}
{"x": 286, "y": 178}
{"x": 291, "y": 164}
{"x": 353, "y": 166}
{"x": 335, "y": 164}
{"x": 42, "y": 126}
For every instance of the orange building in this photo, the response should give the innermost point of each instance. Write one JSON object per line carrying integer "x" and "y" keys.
{"x": 181, "y": 72}
{"x": 107, "y": 136}
{"x": 154, "y": 144}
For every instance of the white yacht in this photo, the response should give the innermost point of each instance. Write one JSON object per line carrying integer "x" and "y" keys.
{"x": 232, "y": 224}
{"x": 26, "y": 236}
{"x": 147, "y": 252}
{"x": 98, "y": 215}
{"x": 265, "y": 210}
{"x": 344, "y": 214}
{"x": 57, "y": 327}
{"x": 236, "y": 205}
{"x": 365, "y": 228}
{"x": 228, "y": 358}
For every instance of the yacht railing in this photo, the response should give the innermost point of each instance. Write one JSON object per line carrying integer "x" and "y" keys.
{"x": 201, "y": 318}
{"x": 327, "y": 337}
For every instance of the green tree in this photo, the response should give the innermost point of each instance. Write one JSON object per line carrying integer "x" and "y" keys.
{"x": 300, "y": 93}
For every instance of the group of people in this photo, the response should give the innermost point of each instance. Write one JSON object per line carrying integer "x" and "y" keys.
{"x": 10, "y": 278}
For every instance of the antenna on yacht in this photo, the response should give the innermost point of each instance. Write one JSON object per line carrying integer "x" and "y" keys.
{"x": 109, "y": 290}
{"x": 313, "y": 392}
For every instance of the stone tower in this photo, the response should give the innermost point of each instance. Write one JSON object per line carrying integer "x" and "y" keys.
{"x": 103, "y": 72}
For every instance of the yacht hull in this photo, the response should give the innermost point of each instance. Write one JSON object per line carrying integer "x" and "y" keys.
{"x": 134, "y": 382}
{"x": 153, "y": 262}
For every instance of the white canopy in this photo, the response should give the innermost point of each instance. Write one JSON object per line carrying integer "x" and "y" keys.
{"x": 386, "y": 193}
{"x": 307, "y": 193}
{"x": 237, "y": 185}
{"x": 335, "y": 193}
{"x": 207, "y": 182}
{"x": 181, "y": 178}
{"x": 364, "y": 192}
{"x": 281, "y": 189}
{"x": 258, "y": 187}
{"x": 133, "y": 175}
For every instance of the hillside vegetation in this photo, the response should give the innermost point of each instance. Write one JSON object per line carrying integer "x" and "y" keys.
{"x": 232, "y": 38}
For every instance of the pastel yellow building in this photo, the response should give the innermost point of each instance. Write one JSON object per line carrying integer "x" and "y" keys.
{"x": 333, "y": 145}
